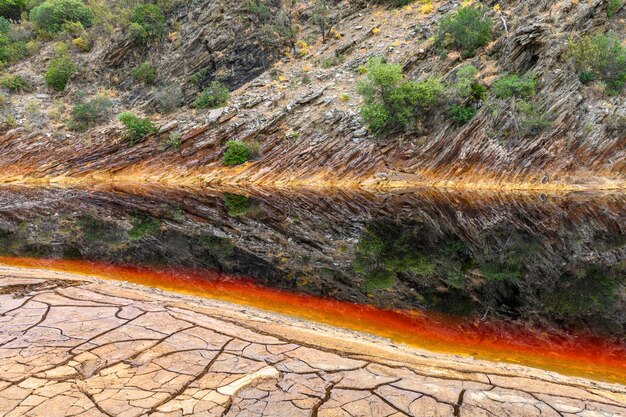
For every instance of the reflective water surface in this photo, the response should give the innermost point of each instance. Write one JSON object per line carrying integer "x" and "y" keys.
{"x": 522, "y": 278}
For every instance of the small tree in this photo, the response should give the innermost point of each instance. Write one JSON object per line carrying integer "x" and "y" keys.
{"x": 391, "y": 102}
{"x": 52, "y": 15}
{"x": 136, "y": 127}
{"x": 214, "y": 96}
{"x": 59, "y": 72}
{"x": 466, "y": 30}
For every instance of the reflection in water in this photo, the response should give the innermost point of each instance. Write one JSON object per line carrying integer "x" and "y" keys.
{"x": 545, "y": 265}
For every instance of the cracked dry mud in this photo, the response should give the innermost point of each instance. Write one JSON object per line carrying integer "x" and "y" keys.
{"x": 75, "y": 345}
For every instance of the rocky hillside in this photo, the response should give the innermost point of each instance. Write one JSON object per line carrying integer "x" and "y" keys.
{"x": 520, "y": 94}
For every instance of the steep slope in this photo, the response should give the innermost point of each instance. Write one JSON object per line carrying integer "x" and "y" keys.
{"x": 301, "y": 113}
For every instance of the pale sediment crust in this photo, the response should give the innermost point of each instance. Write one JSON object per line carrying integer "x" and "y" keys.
{"x": 77, "y": 345}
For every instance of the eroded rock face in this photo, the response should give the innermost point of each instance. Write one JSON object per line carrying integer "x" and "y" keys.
{"x": 79, "y": 346}
{"x": 306, "y": 133}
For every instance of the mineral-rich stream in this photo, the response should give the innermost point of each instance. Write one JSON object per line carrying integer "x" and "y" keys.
{"x": 495, "y": 340}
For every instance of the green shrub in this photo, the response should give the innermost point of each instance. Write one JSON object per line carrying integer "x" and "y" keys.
{"x": 512, "y": 85}
{"x": 613, "y": 7}
{"x": 260, "y": 9}
{"x": 10, "y": 120}
{"x": 145, "y": 73}
{"x": 586, "y": 77}
{"x": 94, "y": 230}
{"x": 602, "y": 55}
{"x": 466, "y": 30}
{"x": 461, "y": 114}
{"x": 147, "y": 23}
{"x": 236, "y": 153}
{"x": 465, "y": 86}
{"x": 174, "y": 140}
{"x": 74, "y": 29}
{"x": 215, "y": 95}
{"x": 198, "y": 77}
{"x": 59, "y": 72}
{"x": 12, "y": 48}
{"x": 219, "y": 248}
{"x": 392, "y": 102}
{"x": 237, "y": 205}
{"x": 14, "y": 83}
{"x": 5, "y": 25}
{"x": 136, "y": 127}
{"x": 91, "y": 113}
{"x": 52, "y": 15}
{"x": 83, "y": 43}
{"x": 12, "y": 9}
{"x": 493, "y": 271}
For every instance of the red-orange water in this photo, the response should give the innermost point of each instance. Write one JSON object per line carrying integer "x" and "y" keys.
{"x": 495, "y": 340}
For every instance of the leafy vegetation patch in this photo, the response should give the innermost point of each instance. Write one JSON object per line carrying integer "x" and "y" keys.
{"x": 465, "y": 93}
{"x": 147, "y": 23}
{"x": 137, "y": 128}
{"x": 393, "y": 103}
{"x": 461, "y": 114}
{"x": 214, "y": 96}
{"x": 90, "y": 114}
{"x": 466, "y": 30}
{"x": 14, "y": 83}
{"x": 513, "y": 85}
{"x": 60, "y": 71}
{"x": 236, "y": 153}
{"x": 95, "y": 230}
{"x": 15, "y": 43}
{"x": 600, "y": 57}
{"x": 51, "y": 15}
{"x": 219, "y": 248}
{"x": 145, "y": 73}
{"x": 613, "y": 7}
{"x": 12, "y": 9}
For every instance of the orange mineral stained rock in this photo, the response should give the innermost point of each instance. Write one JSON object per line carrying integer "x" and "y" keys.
{"x": 495, "y": 340}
